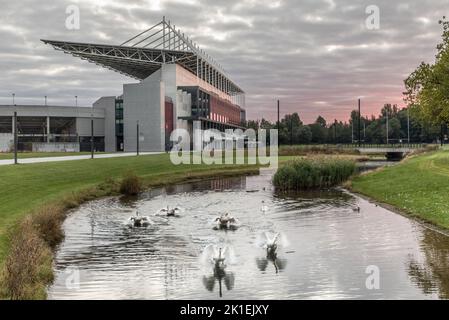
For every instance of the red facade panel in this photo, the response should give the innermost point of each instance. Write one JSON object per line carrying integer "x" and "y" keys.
{"x": 224, "y": 111}
{"x": 169, "y": 125}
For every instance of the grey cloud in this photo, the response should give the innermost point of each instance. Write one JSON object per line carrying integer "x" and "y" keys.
{"x": 302, "y": 52}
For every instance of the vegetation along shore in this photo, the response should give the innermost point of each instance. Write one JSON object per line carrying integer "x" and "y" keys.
{"x": 36, "y": 197}
{"x": 418, "y": 186}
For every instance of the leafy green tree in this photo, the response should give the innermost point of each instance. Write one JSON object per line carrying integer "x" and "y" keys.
{"x": 427, "y": 88}
{"x": 319, "y": 131}
{"x": 303, "y": 135}
{"x": 252, "y": 124}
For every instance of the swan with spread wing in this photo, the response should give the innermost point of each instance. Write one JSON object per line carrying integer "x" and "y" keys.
{"x": 226, "y": 221}
{"x": 138, "y": 221}
{"x": 169, "y": 212}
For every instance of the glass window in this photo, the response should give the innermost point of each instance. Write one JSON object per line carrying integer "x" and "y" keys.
{"x": 32, "y": 125}
{"x": 5, "y": 124}
{"x": 63, "y": 125}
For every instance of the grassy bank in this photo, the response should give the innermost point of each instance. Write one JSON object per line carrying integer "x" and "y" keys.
{"x": 313, "y": 173}
{"x": 35, "y": 198}
{"x": 418, "y": 186}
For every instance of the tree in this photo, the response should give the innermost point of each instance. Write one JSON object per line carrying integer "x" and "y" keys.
{"x": 427, "y": 88}
{"x": 303, "y": 135}
{"x": 319, "y": 131}
{"x": 252, "y": 124}
{"x": 373, "y": 129}
{"x": 321, "y": 121}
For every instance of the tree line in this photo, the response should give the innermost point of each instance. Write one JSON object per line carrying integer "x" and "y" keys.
{"x": 401, "y": 125}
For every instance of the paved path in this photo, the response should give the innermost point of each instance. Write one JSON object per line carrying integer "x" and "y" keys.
{"x": 68, "y": 158}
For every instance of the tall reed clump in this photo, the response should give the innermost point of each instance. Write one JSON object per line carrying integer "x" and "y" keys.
{"x": 28, "y": 266}
{"x": 313, "y": 173}
{"x": 131, "y": 184}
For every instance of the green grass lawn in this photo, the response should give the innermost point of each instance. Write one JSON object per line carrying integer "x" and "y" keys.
{"x": 418, "y": 186}
{"x": 25, "y": 155}
{"x": 26, "y": 187}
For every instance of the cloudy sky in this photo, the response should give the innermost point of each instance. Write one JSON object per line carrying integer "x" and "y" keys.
{"x": 316, "y": 56}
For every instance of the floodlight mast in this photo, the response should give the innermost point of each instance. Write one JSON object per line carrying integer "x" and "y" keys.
{"x": 176, "y": 41}
{"x": 145, "y": 53}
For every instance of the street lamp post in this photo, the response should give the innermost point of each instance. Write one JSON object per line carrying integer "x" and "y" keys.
{"x": 16, "y": 142}
{"x": 386, "y": 112}
{"x": 408, "y": 125}
{"x": 13, "y": 99}
{"x": 138, "y": 138}
{"x": 359, "y": 126}
{"x": 278, "y": 124}
{"x": 92, "y": 135}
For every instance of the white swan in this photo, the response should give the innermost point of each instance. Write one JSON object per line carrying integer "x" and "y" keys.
{"x": 218, "y": 256}
{"x": 139, "y": 221}
{"x": 226, "y": 221}
{"x": 264, "y": 207}
{"x": 271, "y": 242}
{"x": 169, "y": 212}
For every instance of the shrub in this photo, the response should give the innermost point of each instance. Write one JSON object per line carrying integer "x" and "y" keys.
{"x": 131, "y": 184}
{"x": 48, "y": 222}
{"x": 313, "y": 173}
{"x": 25, "y": 266}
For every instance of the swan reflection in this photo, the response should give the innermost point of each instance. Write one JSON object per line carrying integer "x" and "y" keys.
{"x": 219, "y": 257}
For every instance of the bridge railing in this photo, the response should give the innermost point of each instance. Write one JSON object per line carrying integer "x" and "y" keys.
{"x": 383, "y": 145}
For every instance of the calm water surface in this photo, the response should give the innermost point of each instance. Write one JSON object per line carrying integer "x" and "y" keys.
{"x": 331, "y": 245}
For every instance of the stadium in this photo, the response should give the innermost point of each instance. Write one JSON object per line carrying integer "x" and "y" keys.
{"x": 178, "y": 83}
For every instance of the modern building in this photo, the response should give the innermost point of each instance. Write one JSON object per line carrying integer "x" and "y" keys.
{"x": 178, "y": 83}
{"x": 52, "y": 128}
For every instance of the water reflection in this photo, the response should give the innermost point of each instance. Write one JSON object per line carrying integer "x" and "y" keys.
{"x": 221, "y": 276}
{"x": 330, "y": 247}
{"x": 431, "y": 274}
{"x": 278, "y": 264}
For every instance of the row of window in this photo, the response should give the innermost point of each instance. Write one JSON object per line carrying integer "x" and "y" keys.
{"x": 218, "y": 117}
{"x": 119, "y": 118}
{"x": 38, "y": 125}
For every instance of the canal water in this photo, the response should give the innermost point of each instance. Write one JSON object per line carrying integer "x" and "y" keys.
{"x": 335, "y": 251}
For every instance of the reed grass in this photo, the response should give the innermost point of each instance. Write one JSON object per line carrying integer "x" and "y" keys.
{"x": 303, "y": 150}
{"x": 313, "y": 173}
{"x": 131, "y": 184}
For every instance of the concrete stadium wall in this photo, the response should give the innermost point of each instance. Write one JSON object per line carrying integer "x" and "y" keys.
{"x": 56, "y": 147}
{"x": 83, "y": 127}
{"x": 144, "y": 102}
{"x": 108, "y": 105}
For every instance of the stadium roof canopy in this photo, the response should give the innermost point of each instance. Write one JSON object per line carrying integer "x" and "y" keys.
{"x": 143, "y": 54}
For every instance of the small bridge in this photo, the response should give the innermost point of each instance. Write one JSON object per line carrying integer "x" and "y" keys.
{"x": 392, "y": 151}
